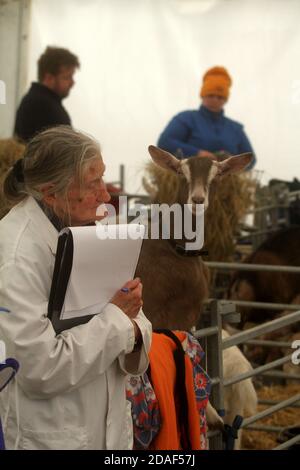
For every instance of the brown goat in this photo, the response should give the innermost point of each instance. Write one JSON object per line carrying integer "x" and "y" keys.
{"x": 175, "y": 284}
{"x": 283, "y": 248}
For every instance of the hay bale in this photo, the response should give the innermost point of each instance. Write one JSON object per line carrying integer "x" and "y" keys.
{"x": 10, "y": 152}
{"x": 282, "y": 418}
{"x": 232, "y": 198}
{"x": 160, "y": 184}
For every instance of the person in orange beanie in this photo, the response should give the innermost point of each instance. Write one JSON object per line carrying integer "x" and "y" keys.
{"x": 206, "y": 132}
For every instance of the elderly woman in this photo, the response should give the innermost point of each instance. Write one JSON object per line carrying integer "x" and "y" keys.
{"x": 71, "y": 386}
{"x": 206, "y": 131}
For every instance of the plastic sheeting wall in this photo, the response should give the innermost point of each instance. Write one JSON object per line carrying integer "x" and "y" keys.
{"x": 14, "y": 22}
{"x": 143, "y": 60}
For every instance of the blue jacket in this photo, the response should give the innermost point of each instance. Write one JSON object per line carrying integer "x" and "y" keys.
{"x": 191, "y": 131}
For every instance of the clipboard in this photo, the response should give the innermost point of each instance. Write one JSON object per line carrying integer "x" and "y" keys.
{"x": 82, "y": 252}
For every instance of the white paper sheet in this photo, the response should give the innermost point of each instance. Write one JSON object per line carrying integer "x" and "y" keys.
{"x": 101, "y": 266}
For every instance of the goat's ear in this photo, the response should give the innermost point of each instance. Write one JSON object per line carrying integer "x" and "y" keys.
{"x": 164, "y": 159}
{"x": 234, "y": 164}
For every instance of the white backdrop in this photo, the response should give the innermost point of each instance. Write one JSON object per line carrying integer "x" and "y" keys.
{"x": 142, "y": 61}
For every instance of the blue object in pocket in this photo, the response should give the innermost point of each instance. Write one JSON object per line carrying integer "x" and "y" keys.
{"x": 8, "y": 370}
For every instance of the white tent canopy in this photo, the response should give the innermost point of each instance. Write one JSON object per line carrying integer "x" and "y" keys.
{"x": 142, "y": 61}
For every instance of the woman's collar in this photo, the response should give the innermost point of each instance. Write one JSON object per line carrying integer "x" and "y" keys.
{"x": 213, "y": 115}
{"x": 58, "y": 224}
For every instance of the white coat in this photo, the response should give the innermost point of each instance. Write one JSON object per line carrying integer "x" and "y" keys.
{"x": 70, "y": 387}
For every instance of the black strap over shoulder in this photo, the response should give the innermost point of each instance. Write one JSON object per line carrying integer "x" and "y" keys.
{"x": 60, "y": 280}
{"x": 180, "y": 388}
{"x": 61, "y": 274}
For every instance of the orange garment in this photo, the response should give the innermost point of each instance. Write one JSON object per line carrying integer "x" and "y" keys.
{"x": 163, "y": 376}
{"x": 216, "y": 81}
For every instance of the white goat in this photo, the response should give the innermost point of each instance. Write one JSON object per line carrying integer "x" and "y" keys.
{"x": 239, "y": 398}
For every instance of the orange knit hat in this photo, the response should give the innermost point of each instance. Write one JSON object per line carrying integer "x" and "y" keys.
{"x": 216, "y": 81}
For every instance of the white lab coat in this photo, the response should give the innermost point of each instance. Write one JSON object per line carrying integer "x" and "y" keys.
{"x": 70, "y": 389}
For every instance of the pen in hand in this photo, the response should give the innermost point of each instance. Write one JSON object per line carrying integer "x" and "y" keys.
{"x": 129, "y": 297}
{"x": 2, "y": 309}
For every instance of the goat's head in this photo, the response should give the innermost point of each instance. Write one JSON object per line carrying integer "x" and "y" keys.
{"x": 197, "y": 173}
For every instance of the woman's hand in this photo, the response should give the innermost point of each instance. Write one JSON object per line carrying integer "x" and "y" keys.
{"x": 129, "y": 300}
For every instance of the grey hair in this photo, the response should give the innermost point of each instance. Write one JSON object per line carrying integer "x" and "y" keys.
{"x": 56, "y": 156}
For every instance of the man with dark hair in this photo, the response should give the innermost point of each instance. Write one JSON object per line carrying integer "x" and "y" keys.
{"x": 41, "y": 107}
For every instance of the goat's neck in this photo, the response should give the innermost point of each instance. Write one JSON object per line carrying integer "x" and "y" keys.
{"x": 173, "y": 235}
{"x": 181, "y": 199}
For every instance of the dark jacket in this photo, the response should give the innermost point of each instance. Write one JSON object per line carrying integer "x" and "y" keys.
{"x": 191, "y": 131}
{"x": 40, "y": 108}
